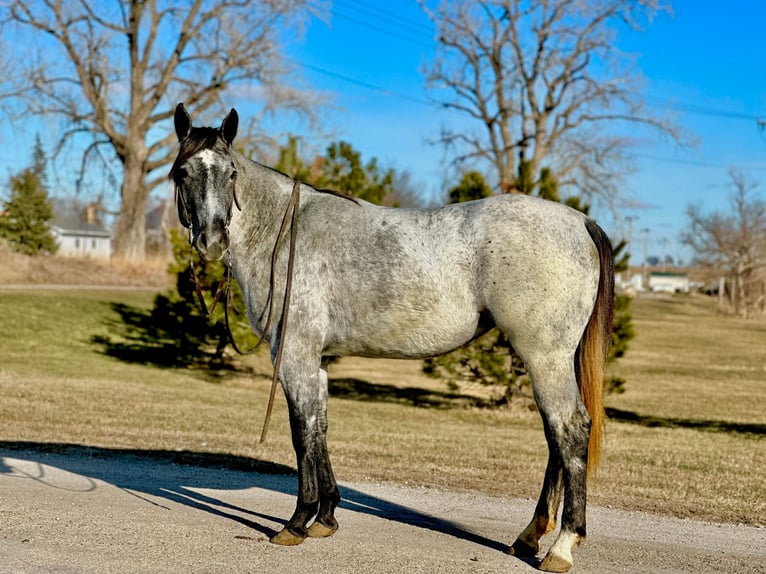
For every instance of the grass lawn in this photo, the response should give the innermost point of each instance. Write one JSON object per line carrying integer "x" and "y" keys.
{"x": 686, "y": 439}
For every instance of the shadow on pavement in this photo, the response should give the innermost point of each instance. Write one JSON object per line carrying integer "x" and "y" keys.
{"x": 175, "y": 476}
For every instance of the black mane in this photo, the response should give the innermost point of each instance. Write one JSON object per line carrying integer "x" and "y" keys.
{"x": 208, "y": 138}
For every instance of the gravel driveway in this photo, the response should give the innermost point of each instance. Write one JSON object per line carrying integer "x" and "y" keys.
{"x": 90, "y": 510}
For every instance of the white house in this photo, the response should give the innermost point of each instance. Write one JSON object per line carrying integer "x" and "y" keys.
{"x": 668, "y": 282}
{"x": 81, "y": 237}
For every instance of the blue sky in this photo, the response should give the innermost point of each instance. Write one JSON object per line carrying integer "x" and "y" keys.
{"x": 705, "y": 63}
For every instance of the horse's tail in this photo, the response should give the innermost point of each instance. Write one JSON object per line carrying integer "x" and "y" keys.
{"x": 594, "y": 346}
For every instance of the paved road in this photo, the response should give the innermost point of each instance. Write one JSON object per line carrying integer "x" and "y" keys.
{"x": 83, "y": 510}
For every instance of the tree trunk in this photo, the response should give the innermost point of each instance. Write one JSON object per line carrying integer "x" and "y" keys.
{"x": 129, "y": 241}
{"x": 506, "y": 161}
{"x": 507, "y": 181}
{"x": 740, "y": 300}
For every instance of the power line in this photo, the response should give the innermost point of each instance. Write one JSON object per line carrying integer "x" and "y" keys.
{"x": 679, "y": 161}
{"x": 383, "y": 30}
{"x": 393, "y": 15}
{"x": 362, "y": 83}
{"x": 367, "y": 10}
{"x": 379, "y": 13}
{"x": 691, "y": 108}
{"x": 651, "y": 100}
{"x": 394, "y": 93}
{"x": 656, "y": 101}
{"x": 694, "y": 163}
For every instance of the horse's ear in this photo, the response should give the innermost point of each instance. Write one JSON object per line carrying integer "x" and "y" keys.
{"x": 229, "y": 126}
{"x": 182, "y": 121}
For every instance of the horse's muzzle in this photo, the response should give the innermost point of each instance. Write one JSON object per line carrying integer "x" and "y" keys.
{"x": 211, "y": 246}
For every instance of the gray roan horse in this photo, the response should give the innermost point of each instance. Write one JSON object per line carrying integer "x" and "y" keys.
{"x": 373, "y": 281}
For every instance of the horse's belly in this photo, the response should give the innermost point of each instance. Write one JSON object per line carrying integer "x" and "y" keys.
{"x": 412, "y": 331}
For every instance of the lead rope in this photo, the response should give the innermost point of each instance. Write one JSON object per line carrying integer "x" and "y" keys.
{"x": 224, "y": 286}
{"x": 291, "y": 213}
{"x": 293, "y": 204}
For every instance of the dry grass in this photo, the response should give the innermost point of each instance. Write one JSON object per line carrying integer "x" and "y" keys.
{"x": 688, "y": 436}
{"x": 18, "y": 269}
{"x": 686, "y": 439}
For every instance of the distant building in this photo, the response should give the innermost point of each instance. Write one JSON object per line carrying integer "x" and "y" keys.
{"x": 629, "y": 282}
{"x": 81, "y": 236}
{"x": 668, "y": 282}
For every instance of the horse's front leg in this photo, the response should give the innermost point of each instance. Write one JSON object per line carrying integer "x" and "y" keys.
{"x": 306, "y": 391}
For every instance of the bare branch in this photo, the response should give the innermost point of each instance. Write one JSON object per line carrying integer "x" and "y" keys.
{"x": 113, "y": 71}
{"x": 733, "y": 242}
{"x": 525, "y": 72}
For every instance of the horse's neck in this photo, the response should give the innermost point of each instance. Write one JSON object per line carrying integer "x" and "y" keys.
{"x": 263, "y": 196}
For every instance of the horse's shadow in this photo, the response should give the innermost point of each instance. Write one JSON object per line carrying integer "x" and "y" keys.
{"x": 650, "y": 421}
{"x": 169, "y": 478}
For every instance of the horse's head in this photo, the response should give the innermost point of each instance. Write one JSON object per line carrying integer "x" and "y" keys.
{"x": 204, "y": 175}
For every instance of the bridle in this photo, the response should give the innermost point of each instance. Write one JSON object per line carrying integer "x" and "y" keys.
{"x": 224, "y": 289}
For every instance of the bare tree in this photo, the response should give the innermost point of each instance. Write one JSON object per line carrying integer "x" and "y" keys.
{"x": 733, "y": 243}
{"x": 543, "y": 84}
{"x": 112, "y": 71}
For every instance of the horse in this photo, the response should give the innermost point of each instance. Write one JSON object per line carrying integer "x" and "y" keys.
{"x": 375, "y": 281}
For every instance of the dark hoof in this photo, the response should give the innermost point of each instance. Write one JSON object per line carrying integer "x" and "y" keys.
{"x": 319, "y": 530}
{"x": 522, "y": 549}
{"x": 286, "y": 538}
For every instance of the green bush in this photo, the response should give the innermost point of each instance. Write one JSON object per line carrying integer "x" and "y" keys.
{"x": 176, "y": 332}
{"x": 25, "y": 215}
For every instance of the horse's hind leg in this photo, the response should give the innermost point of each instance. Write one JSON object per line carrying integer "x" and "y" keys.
{"x": 567, "y": 428}
{"x": 544, "y": 519}
{"x": 325, "y": 523}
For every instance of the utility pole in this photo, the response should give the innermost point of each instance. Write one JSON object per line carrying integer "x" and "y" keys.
{"x": 644, "y": 277}
{"x": 664, "y": 243}
{"x": 630, "y": 219}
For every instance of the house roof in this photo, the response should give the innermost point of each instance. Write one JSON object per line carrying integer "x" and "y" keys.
{"x": 68, "y": 224}
{"x": 669, "y": 274}
{"x": 80, "y": 233}
{"x": 73, "y": 218}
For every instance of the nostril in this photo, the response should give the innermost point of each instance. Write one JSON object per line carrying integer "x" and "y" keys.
{"x": 211, "y": 246}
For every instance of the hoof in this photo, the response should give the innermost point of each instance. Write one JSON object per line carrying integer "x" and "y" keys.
{"x": 553, "y": 563}
{"x": 522, "y": 549}
{"x": 319, "y": 530}
{"x": 286, "y": 538}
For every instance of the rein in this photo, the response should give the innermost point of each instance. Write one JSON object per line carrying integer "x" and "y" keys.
{"x": 224, "y": 288}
